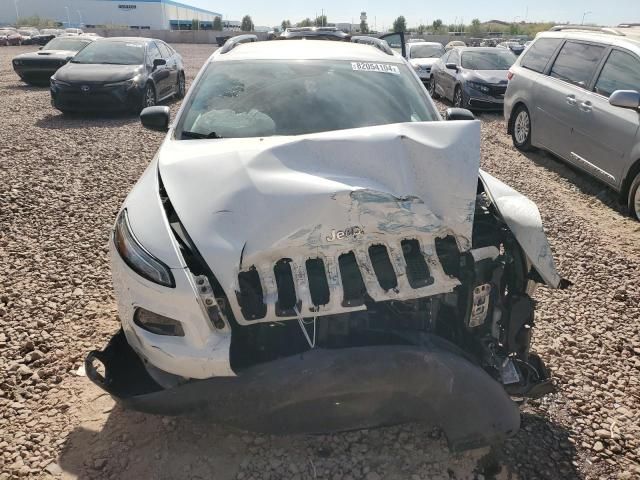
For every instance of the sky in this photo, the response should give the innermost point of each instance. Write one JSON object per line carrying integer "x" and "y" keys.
{"x": 383, "y": 12}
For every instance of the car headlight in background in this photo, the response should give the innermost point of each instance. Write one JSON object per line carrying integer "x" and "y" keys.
{"x": 58, "y": 83}
{"x": 135, "y": 255}
{"x": 478, "y": 86}
{"x": 132, "y": 82}
{"x": 17, "y": 62}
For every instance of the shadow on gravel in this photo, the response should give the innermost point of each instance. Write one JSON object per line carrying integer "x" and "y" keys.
{"x": 583, "y": 182}
{"x": 23, "y": 87}
{"x": 127, "y": 444}
{"x": 86, "y": 120}
{"x": 541, "y": 450}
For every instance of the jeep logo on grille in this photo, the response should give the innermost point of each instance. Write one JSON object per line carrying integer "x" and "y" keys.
{"x": 354, "y": 232}
{"x": 85, "y": 88}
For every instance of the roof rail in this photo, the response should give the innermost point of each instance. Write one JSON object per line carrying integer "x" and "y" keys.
{"x": 233, "y": 42}
{"x": 378, "y": 43}
{"x": 587, "y": 28}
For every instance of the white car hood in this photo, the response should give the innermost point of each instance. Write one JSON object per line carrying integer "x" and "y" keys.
{"x": 250, "y": 202}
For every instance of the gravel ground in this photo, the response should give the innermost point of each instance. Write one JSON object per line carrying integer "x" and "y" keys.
{"x": 62, "y": 180}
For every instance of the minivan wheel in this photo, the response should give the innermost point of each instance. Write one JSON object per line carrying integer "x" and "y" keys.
{"x": 521, "y": 128}
{"x": 634, "y": 198}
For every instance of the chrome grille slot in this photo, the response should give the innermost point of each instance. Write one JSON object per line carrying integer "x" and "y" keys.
{"x": 318, "y": 285}
{"x": 287, "y": 300}
{"x": 250, "y": 296}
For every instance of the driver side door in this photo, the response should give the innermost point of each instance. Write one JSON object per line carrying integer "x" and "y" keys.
{"x": 159, "y": 74}
{"x": 397, "y": 42}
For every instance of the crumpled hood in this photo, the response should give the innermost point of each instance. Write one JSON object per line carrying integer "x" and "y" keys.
{"x": 487, "y": 76}
{"x": 97, "y": 73}
{"x": 249, "y": 202}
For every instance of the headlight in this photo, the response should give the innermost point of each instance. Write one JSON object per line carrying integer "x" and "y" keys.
{"x": 135, "y": 255}
{"x": 126, "y": 83}
{"x": 478, "y": 86}
{"x": 17, "y": 62}
{"x": 158, "y": 324}
{"x": 58, "y": 83}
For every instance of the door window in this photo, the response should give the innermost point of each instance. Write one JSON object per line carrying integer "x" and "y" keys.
{"x": 164, "y": 50}
{"x": 621, "y": 72}
{"x": 454, "y": 57}
{"x": 153, "y": 52}
{"x": 577, "y": 63}
{"x": 539, "y": 53}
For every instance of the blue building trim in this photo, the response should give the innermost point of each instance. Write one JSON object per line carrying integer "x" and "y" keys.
{"x": 169, "y": 2}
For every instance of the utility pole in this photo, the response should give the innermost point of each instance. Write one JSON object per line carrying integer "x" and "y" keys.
{"x": 15, "y": 3}
{"x": 584, "y": 15}
{"x": 68, "y": 17}
{"x": 80, "y": 15}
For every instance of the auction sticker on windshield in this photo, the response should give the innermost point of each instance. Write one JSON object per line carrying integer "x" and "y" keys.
{"x": 375, "y": 67}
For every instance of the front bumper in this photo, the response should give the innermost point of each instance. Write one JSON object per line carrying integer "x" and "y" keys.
{"x": 39, "y": 72}
{"x": 96, "y": 98}
{"x": 324, "y": 391}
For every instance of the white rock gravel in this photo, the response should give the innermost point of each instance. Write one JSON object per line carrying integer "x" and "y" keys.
{"x": 62, "y": 180}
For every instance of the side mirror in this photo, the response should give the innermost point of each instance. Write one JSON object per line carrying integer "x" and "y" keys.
{"x": 156, "y": 118}
{"x": 458, "y": 114}
{"x": 452, "y": 66}
{"x": 158, "y": 62}
{"x": 625, "y": 99}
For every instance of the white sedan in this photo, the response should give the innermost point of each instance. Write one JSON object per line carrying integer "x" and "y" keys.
{"x": 314, "y": 249}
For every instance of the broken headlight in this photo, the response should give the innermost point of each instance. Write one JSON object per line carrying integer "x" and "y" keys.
{"x": 135, "y": 255}
{"x": 158, "y": 324}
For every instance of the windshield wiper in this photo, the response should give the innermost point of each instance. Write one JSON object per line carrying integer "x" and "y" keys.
{"x": 198, "y": 135}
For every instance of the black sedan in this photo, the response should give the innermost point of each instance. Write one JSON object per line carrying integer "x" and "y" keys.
{"x": 125, "y": 73}
{"x": 37, "y": 67}
{"x": 46, "y": 35}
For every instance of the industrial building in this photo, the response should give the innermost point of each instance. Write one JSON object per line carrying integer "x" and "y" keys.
{"x": 142, "y": 14}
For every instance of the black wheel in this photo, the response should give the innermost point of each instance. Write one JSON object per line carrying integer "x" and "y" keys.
{"x": 149, "y": 98}
{"x": 432, "y": 88}
{"x": 634, "y": 198}
{"x": 458, "y": 98}
{"x": 521, "y": 128}
{"x": 182, "y": 86}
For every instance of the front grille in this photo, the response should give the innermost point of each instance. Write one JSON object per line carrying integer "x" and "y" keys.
{"x": 497, "y": 91}
{"x": 42, "y": 63}
{"x": 290, "y": 287}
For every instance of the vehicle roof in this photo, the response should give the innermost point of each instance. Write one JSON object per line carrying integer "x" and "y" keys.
{"x": 413, "y": 44}
{"x": 628, "y": 37}
{"x": 306, "y": 50}
{"x": 127, "y": 39}
{"x": 479, "y": 49}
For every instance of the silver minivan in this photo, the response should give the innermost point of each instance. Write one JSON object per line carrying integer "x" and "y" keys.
{"x": 576, "y": 93}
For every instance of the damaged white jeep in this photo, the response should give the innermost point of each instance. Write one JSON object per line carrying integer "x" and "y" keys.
{"x": 314, "y": 249}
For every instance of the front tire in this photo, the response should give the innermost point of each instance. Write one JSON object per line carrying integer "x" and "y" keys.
{"x": 458, "y": 98}
{"x": 181, "y": 87}
{"x": 634, "y": 198}
{"x": 432, "y": 88}
{"x": 149, "y": 98}
{"x": 521, "y": 129}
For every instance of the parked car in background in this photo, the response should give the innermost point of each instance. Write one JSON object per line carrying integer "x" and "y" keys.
{"x": 267, "y": 280}
{"x": 28, "y": 36}
{"x": 422, "y": 55}
{"x": 516, "y": 47}
{"x": 472, "y": 77}
{"x": 10, "y": 37}
{"x": 118, "y": 73}
{"x": 314, "y": 33}
{"x": 576, "y": 93}
{"x": 455, "y": 44}
{"x": 46, "y": 35}
{"x": 37, "y": 67}
{"x": 72, "y": 31}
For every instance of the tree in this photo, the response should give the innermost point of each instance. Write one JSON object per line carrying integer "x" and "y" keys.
{"x": 305, "y": 23}
{"x": 285, "y": 24}
{"x": 400, "y": 24}
{"x": 364, "y": 28}
{"x": 247, "y": 24}
{"x": 476, "y": 27}
{"x": 437, "y": 26}
{"x": 321, "y": 21}
{"x": 217, "y": 24}
{"x": 421, "y": 29}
